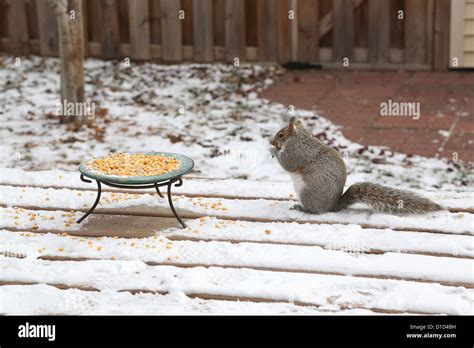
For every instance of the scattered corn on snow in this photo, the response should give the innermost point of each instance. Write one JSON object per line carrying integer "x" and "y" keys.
{"x": 333, "y": 259}
{"x": 334, "y": 236}
{"x": 455, "y": 223}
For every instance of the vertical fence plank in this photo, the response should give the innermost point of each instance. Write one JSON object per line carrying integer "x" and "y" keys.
{"x": 267, "y": 30}
{"x": 442, "y": 16}
{"x": 361, "y": 25}
{"x": 171, "y": 30}
{"x": 235, "y": 30}
{"x": 397, "y": 37}
{"x": 284, "y": 38}
{"x": 415, "y": 32}
{"x": 17, "y": 27}
{"x": 251, "y": 30}
{"x": 429, "y": 31}
{"x": 203, "y": 31}
{"x": 124, "y": 23}
{"x": 218, "y": 15}
{"x": 155, "y": 21}
{"x": 95, "y": 20}
{"x": 48, "y": 29}
{"x": 187, "y": 24}
{"x": 32, "y": 20}
{"x": 85, "y": 28}
{"x": 3, "y": 18}
{"x": 379, "y": 31}
{"x": 95, "y": 14}
{"x": 139, "y": 18}
{"x": 110, "y": 40}
{"x": 343, "y": 38}
{"x": 308, "y": 30}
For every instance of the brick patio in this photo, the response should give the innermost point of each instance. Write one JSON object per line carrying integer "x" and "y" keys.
{"x": 352, "y": 100}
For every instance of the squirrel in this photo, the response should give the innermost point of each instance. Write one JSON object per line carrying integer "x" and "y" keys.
{"x": 319, "y": 175}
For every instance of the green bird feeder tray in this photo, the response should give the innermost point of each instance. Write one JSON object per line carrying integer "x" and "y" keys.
{"x": 138, "y": 182}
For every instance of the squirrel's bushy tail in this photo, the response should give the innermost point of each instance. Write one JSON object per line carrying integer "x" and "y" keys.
{"x": 384, "y": 199}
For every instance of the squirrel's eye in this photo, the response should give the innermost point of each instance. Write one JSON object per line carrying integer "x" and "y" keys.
{"x": 280, "y": 135}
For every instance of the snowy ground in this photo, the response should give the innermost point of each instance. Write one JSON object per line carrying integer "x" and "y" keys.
{"x": 212, "y": 113}
{"x": 245, "y": 251}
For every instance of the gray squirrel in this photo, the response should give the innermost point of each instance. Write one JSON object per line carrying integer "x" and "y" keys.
{"x": 319, "y": 175}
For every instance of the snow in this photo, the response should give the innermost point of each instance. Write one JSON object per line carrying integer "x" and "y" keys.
{"x": 244, "y": 244}
{"x": 327, "y": 291}
{"x": 225, "y": 125}
{"x": 54, "y": 301}
{"x": 350, "y": 238}
{"x": 274, "y": 210}
{"x": 268, "y": 256}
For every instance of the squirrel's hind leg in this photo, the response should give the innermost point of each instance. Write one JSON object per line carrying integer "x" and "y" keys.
{"x": 309, "y": 203}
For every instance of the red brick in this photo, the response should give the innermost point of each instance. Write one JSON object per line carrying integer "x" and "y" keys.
{"x": 352, "y": 99}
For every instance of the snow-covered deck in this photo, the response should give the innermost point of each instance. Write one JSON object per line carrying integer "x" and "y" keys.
{"x": 244, "y": 251}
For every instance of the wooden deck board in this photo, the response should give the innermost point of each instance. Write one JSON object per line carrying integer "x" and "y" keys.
{"x": 274, "y": 257}
{"x": 211, "y": 187}
{"x": 335, "y": 237}
{"x": 247, "y": 284}
{"x": 244, "y": 243}
{"x": 263, "y": 210}
{"x": 67, "y": 300}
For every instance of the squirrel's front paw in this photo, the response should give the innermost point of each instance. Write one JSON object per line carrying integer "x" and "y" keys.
{"x": 273, "y": 151}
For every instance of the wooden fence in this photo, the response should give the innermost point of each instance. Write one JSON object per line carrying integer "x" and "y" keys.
{"x": 369, "y": 33}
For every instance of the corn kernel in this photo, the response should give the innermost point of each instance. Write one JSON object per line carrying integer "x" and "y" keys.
{"x": 124, "y": 164}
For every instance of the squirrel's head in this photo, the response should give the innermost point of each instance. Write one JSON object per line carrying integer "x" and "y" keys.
{"x": 285, "y": 133}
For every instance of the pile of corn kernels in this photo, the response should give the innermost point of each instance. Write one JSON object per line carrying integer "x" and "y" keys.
{"x": 125, "y": 164}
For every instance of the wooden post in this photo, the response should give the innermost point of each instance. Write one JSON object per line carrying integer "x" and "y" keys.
{"x": 17, "y": 27}
{"x": 343, "y": 39}
{"x": 267, "y": 30}
{"x": 235, "y": 30}
{"x": 71, "y": 53}
{"x": 172, "y": 36}
{"x": 308, "y": 30}
{"x": 139, "y": 19}
{"x": 379, "y": 31}
{"x": 203, "y": 31}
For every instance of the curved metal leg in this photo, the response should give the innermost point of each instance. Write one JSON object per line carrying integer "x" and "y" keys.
{"x": 99, "y": 189}
{"x": 180, "y": 182}
{"x": 158, "y": 191}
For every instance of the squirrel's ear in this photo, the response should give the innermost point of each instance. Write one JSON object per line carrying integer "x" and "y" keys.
{"x": 292, "y": 127}
{"x": 295, "y": 123}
